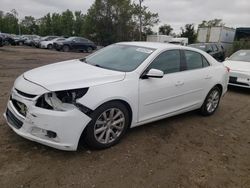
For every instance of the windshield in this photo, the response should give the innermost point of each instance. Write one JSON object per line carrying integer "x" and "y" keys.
{"x": 199, "y": 46}
{"x": 242, "y": 55}
{"x": 118, "y": 57}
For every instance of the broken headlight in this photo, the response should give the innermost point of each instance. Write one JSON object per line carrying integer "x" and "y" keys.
{"x": 61, "y": 100}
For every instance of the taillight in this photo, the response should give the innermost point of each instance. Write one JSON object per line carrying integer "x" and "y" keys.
{"x": 228, "y": 69}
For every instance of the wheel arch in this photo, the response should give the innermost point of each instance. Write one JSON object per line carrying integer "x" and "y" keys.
{"x": 126, "y": 104}
{"x": 219, "y": 86}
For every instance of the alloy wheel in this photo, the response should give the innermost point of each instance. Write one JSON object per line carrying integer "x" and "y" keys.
{"x": 109, "y": 126}
{"x": 213, "y": 101}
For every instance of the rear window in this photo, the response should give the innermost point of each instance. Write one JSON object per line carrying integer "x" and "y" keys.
{"x": 194, "y": 60}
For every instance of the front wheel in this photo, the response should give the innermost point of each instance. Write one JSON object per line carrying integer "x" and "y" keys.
{"x": 109, "y": 123}
{"x": 211, "y": 102}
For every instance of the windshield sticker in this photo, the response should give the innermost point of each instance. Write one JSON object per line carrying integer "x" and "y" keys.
{"x": 144, "y": 50}
{"x": 243, "y": 54}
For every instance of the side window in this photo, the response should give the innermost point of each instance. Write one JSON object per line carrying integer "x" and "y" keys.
{"x": 209, "y": 48}
{"x": 205, "y": 62}
{"x": 168, "y": 62}
{"x": 215, "y": 48}
{"x": 84, "y": 40}
{"x": 76, "y": 39}
{"x": 193, "y": 60}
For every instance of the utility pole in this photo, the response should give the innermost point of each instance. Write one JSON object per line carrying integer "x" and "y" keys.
{"x": 140, "y": 18}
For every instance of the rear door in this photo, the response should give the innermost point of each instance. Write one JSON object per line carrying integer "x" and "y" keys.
{"x": 77, "y": 44}
{"x": 198, "y": 76}
{"x": 84, "y": 44}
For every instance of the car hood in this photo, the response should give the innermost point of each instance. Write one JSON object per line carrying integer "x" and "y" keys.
{"x": 71, "y": 75}
{"x": 238, "y": 65}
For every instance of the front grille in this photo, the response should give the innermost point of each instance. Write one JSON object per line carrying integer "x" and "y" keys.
{"x": 20, "y": 107}
{"x": 13, "y": 120}
{"x": 233, "y": 80}
{"x": 25, "y": 94}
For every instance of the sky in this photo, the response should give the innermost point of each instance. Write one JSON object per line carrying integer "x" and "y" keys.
{"x": 177, "y": 13}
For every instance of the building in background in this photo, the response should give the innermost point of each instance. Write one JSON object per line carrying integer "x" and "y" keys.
{"x": 222, "y": 35}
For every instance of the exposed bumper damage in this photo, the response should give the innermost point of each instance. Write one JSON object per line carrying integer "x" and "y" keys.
{"x": 58, "y": 129}
{"x": 241, "y": 79}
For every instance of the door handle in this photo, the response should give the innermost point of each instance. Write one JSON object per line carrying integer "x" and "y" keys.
{"x": 179, "y": 83}
{"x": 208, "y": 77}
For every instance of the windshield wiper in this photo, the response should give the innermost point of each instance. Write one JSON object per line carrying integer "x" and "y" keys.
{"x": 99, "y": 66}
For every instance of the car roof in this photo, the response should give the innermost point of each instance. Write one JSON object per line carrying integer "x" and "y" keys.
{"x": 204, "y": 43}
{"x": 154, "y": 45}
{"x": 158, "y": 45}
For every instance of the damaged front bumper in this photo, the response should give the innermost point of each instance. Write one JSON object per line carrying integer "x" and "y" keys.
{"x": 58, "y": 129}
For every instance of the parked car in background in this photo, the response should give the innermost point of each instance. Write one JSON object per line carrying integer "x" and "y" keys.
{"x": 49, "y": 44}
{"x": 214, "y": 49}
{"x": 30, "y": 41}
{"x": 1, "y": 41}
{"x": 19, "y": 40}
{"x": 75, "y": 44}
{"x": 239, "y": 65}
{"x": 46, "y": 38}
{"x": 97, "y": 98}
{"x": 7, "y": 39}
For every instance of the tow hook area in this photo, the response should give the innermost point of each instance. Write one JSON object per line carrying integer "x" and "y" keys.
{"x": 51, "y": 134}
{"x": 43, "y": 133}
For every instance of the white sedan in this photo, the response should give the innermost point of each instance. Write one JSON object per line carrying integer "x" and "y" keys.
{"x": 97, "y": 98}
{"x": 49, "y": 44}
{"x": 239, "y": 65}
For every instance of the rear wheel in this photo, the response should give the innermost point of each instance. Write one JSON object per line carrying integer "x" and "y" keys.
{"x": 211, "y": 102}
{"x": 89, "y": 50}
{"x": 50, "y": 46}
{"x": 109, "y": 124}
{"x": 65, "y": 48}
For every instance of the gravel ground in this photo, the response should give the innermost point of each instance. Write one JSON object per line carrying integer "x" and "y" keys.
{"x": 183, "y": 151}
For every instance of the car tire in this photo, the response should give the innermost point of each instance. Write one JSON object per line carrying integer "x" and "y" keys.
{"x": 211, "y": 102}
{"x": 108, "y": 125}
{"x": 6, "y": 43}
{"x": 49, "y": 46}
{"x": 89, "y": 50}
{"x": 65, "y": 48}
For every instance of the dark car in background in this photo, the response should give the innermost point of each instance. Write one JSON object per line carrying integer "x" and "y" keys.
{"x": 214, "y": 49}
{"x": 7, "y": 39}
{"x": 1, "y": 41}
{"x": 19, "y": 40}
{"x": 75, "y": 44}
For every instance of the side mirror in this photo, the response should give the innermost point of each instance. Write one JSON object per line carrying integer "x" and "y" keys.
{"x": 154, "y": 73}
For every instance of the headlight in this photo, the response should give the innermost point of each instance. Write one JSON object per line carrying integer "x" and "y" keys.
{"x": 61, "y": 100}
